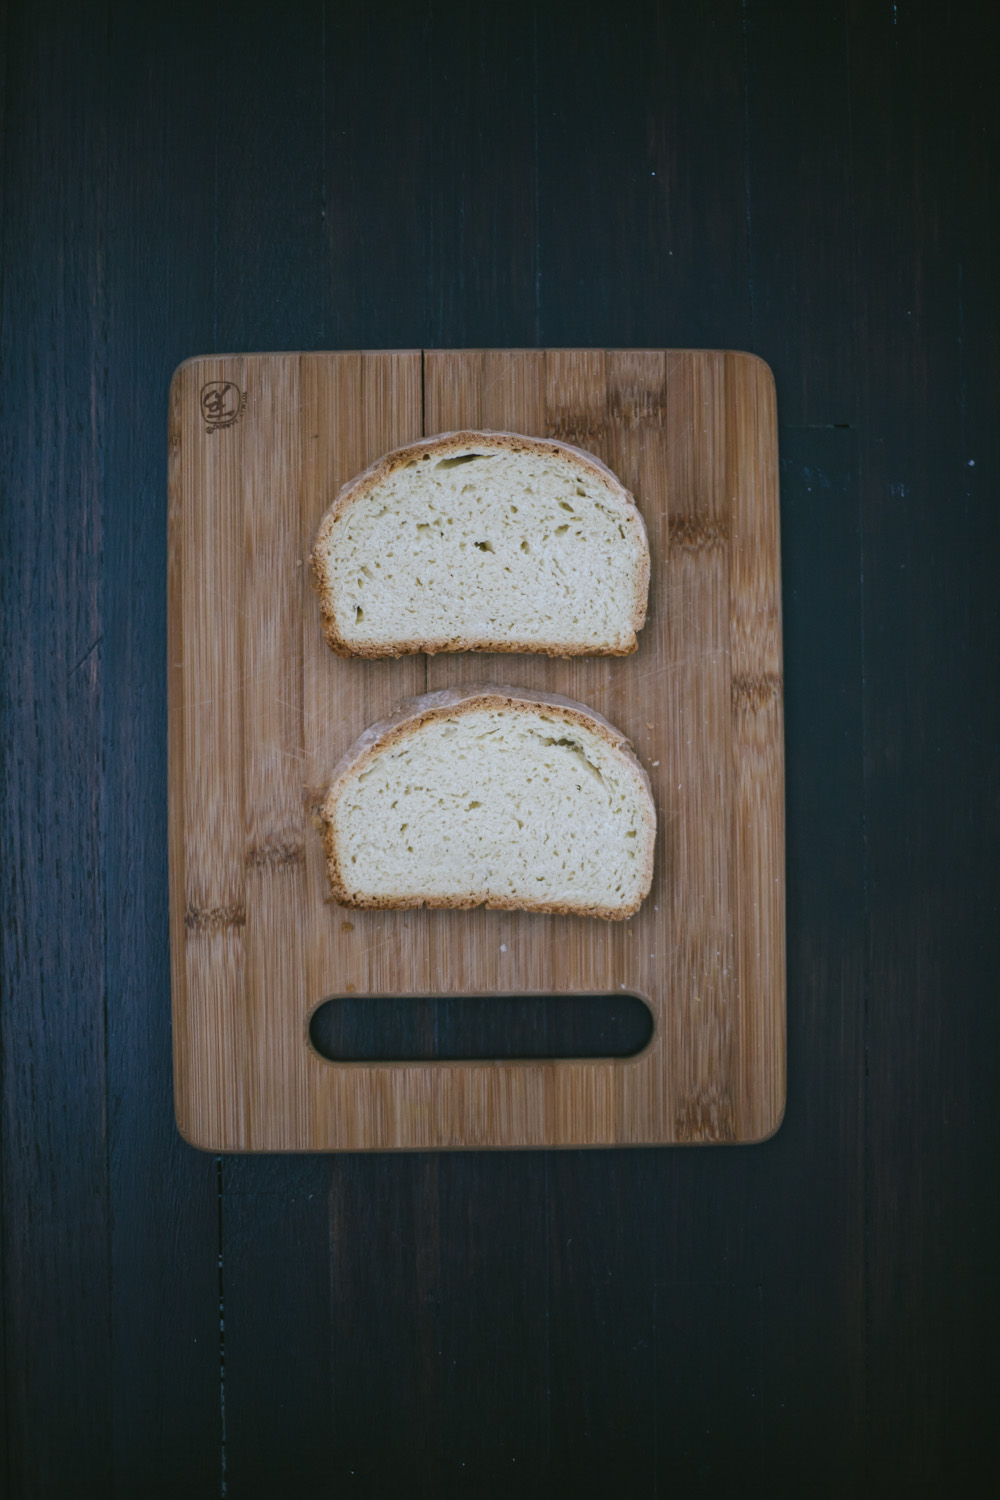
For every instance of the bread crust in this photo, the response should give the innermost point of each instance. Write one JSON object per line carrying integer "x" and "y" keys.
{"x": 448, "y": 702}
{"x": 440, "y": 446}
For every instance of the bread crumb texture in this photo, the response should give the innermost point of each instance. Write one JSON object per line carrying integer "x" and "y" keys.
{"x": 497, "y": 802}
{"x": 479, "y": 541}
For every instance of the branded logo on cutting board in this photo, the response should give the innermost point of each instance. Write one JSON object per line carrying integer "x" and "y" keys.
{"x": 222, "y": 404}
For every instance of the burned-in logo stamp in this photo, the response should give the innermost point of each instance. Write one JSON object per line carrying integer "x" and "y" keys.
{"x": 222, "y": 404}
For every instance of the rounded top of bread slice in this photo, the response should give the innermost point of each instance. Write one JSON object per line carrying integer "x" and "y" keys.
{"x": 490, "y": 795}
{"x": 483, "y": 541}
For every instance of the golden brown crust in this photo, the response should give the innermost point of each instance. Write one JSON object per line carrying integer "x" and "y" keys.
{"x": 442, "y": 647}
{"x": 408, "y": 718}
{"x": 438, "y": 446}
{"x": 553, "y": 909}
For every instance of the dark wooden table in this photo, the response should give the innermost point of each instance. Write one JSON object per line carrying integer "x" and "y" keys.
{"x": 815, "y": 1316}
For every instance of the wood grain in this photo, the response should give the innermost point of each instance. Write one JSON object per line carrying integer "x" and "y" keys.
{"x": 55, "y": 1245}
{"x": 260, "y": 711}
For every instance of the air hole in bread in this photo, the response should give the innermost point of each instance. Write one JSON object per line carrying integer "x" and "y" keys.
{"x": 461, "y": 458}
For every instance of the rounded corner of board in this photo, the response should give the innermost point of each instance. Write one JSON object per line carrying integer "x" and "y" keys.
{"x": 192, "y": 1138}
{"x": 772, "y": 1126}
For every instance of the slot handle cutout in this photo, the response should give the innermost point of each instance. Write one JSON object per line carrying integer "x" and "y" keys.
{"x": 479, "y": 1028}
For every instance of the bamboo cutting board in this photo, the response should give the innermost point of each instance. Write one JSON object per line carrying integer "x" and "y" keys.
{"x": 261, "y": 711}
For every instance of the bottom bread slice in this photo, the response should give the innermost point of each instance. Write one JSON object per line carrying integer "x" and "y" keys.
{"x": 491, "y": 796}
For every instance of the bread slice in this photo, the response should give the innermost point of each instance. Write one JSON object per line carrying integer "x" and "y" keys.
{"x": 483, "y": 541}
{"x": 491, "y": 796}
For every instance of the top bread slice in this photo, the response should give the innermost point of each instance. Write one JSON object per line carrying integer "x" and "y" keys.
{"x": 489, "y": 795}
{"x": 483, "y": 541}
